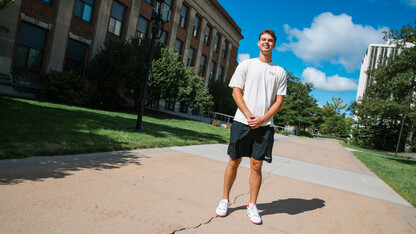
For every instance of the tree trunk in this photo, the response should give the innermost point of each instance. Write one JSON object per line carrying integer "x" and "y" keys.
{"x": 409, "y": 139}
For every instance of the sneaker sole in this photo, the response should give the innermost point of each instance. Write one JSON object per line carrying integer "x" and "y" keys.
{"x": 221, "y": 215}
{"x": 252, "y": 221}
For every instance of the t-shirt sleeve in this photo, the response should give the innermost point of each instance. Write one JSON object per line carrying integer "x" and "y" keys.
{"x": 239, "y": 77}
{"x": 282, "y": 86}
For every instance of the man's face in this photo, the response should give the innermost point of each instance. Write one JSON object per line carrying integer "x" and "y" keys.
{"x": 266, "y": 43}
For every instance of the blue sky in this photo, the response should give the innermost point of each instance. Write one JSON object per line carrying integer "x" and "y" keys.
{"x": 321, "y": 41}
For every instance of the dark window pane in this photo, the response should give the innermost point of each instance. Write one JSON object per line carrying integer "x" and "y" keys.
{"x": 76, "y": 51}
{"x": 71, "y": 65}
{"x": 32, "y": 36}
{"x": 20, "y": 59}
{"x": 91, "y": 2}
{"x": 143, "y": 25}
{"x": 168, "y": 2}
{"x": 79, "y": 8}
{"x": 118, "y": 11}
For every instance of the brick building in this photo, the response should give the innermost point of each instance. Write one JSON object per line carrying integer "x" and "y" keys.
{"x": 65, "y": 35}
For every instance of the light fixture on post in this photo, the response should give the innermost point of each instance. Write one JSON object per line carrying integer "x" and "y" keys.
{"x": 408, "y": 98}
{"x": 160, "y": 15}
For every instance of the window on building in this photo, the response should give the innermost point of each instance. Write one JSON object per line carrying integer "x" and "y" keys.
{"x": 75, "y": 56}
{"x": 202, "y": 66}
{"x": 142, "y": 26}
{"x": 212, "y": 70}
{"x": 207, "y": 33}
{"x": 217, "y": 41}
{"x": 224, "y": 49}
{"x": 30, "y": 47}
{"x": 48, "y": 1}
{"x": 170, "y": 104}
{"x": 163, "y": 36}
{"x": 83, "y": 9}
{"x": 184, "y": 107}
{"x": 184, "y": 12}
{"x": 190, "y": 61}
{"x": 117, "y": 18}
{"x": 219, "y": 75}
{"x": 168, "y": 3}
{"x": 178, "y": 46}
{"x": 196, "y": 26}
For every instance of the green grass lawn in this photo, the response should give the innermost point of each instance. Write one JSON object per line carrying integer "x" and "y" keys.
{"x": 33, "y": 128}
{"x": 398, "y": 172}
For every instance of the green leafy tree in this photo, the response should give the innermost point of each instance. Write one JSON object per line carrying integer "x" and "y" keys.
{"x": 223, "y": 98}
{"x": 171, "y": 79}
{"x": 118, "y": 71}
{"x": 335, "y": 121}
{"x": 380, "y": 111}
{"x": 299, "y": 108}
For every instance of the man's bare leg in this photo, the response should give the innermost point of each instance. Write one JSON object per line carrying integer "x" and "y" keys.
{"x": 229, "y": 177}
{"x": 255, "y": 179}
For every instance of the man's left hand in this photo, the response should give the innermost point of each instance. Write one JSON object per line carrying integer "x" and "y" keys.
{"x": 255, "y": 121}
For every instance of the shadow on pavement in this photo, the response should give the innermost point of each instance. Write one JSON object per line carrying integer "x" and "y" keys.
{"x": 14, "y": 171}
{"x": 291, "y": 206}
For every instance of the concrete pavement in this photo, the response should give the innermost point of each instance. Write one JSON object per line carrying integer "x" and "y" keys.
{"x": 312, "y": 186}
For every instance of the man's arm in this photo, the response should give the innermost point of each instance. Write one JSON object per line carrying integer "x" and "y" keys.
{"x": 257, "y": 121}
{"x": 239, "y": 100}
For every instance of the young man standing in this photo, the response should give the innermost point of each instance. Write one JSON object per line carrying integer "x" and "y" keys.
{"x": 259, "y": 86}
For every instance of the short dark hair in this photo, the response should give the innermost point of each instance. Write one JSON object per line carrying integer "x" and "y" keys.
{"x": 270, "y": 32}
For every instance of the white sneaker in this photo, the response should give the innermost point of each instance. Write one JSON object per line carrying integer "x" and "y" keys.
{"x": 222, "y": 208}
{"x": 253, "y": 214}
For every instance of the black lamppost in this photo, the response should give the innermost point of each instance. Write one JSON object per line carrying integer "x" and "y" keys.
{"x": 408, "y": 98}
{"x": 159, "y": 15}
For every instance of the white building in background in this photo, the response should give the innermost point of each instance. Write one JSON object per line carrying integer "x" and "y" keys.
{"x": 376, "y": 55}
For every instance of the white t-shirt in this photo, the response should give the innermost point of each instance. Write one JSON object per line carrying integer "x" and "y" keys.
{"x": 260, "y": 82}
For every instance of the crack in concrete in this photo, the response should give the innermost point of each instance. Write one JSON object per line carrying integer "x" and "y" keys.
{"x": 234, "y": 201}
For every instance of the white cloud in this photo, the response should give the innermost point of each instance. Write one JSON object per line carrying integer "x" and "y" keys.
{"x": 242, "y": 57}
{"x": 411, "y": 3}
{"x": 330, "y": 83}
{"x": 333, "y": 38}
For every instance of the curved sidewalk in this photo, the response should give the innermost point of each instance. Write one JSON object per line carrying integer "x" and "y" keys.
{"x": 312, "y": 186}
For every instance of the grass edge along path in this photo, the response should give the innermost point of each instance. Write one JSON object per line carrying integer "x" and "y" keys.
{"x": 398, "y": 172}
{"x": 34, "y": 128}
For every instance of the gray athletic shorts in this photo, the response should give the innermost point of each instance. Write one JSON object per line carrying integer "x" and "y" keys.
{"x": 247, "y": 142}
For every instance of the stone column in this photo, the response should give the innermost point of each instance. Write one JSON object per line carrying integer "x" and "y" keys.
{"x": 60, "y": 35}
{"x": 102, "y": 26}
{"x": 175, "y": 24}
{"x": 222, "y": 41}
{"x": 133, "y": 19}
{"x": 227, "y": 61}
{"x": 9, "y": 18}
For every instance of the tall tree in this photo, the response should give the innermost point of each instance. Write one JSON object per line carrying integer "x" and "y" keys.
{"x": 335, "y": 122}
{"x": 381, "y": 110}
{"x": 118, "y": 70}
{"x": 171, "y": 79}
{"x": 299, "y": 108}
{"x": 223, "y": 99}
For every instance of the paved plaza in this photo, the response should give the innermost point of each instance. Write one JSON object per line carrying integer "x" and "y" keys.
{"x": 312, "y": 186}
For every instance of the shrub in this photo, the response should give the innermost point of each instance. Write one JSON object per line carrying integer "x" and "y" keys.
{"x": 216, "y": 123}
{"x": 62, "y": 86}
